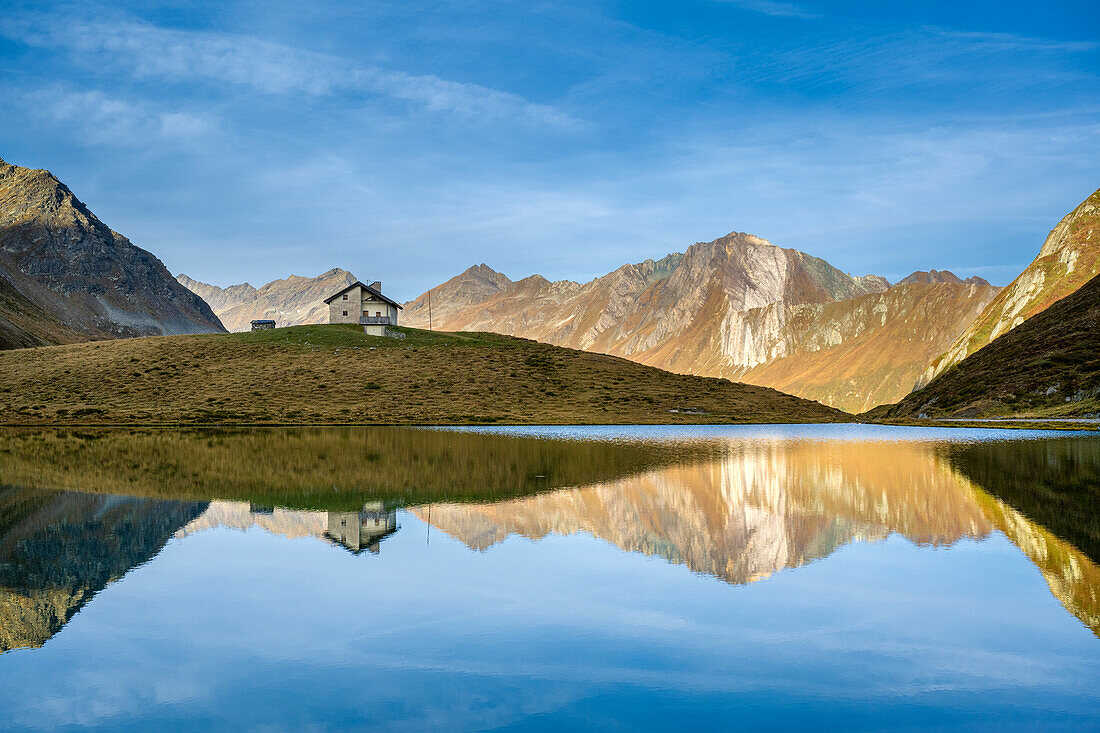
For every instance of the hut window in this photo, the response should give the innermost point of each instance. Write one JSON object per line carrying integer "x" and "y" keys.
{"x": 345, "y": 313}
{"x": 345, "y": 298}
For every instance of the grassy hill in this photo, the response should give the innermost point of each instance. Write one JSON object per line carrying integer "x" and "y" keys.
{"x": 1048, "y": 366}
{"x": 335, "y": 374}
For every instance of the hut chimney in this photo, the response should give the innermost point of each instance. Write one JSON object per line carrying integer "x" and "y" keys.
{"x": 376, "y": 285}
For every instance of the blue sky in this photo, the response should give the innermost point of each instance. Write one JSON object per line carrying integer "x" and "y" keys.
{"x": 406, "y": 141}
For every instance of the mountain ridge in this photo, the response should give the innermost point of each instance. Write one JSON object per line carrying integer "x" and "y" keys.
{"x": 295, "y": 300}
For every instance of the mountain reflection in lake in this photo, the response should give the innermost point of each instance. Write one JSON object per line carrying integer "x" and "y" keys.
{"x": 936, "y": 599}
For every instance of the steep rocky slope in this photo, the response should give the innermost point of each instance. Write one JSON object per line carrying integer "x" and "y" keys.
{"x": 293, "y": 301}
{"x": 23, "y": 324}
{"x": 858, "y": 353}
{"x": 1069, "y": 258}
{"x": 739, "y": 308}
{"x": 90, "y": 281}
{"x": 1048, "y": 365}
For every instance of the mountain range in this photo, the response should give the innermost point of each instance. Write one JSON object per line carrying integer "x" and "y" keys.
{"x": 738, "y": 307}
{"x": 292, "y": 301}
{"x": 744, "y": 309}
{"x": 66, "y": 276}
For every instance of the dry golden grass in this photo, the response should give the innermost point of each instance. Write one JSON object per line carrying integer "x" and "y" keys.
{"x": 337, "y": 375}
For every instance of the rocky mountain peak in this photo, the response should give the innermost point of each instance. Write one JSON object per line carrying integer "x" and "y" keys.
{"x": 56, "y": 255}
{"x": 940, "y": 277}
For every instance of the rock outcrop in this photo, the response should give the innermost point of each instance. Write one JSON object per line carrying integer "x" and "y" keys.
{"x": 90, "y": 282}
{"x": 292, "y": 301}
{"x": 1069, "y": 258}
{"x": 858, "y": 353}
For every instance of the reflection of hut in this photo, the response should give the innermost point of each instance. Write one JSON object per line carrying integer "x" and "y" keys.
{"x": 361, "y": 530}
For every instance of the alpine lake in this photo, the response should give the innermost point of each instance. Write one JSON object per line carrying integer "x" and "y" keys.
{"x": 588, "y": 578}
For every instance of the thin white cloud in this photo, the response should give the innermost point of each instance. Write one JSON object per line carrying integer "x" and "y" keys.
{"x": 149, "y": 52}
{"x": 101, "y": 119}
{"x": 771, "y": 7}
{"x": 926, "y": 58}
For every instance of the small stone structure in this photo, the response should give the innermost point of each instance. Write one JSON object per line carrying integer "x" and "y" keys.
{"x": 365, "y": 305}
{"x": 263, "y": 325}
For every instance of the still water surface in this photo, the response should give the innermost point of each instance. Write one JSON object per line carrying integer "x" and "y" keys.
{"x": 617, "y": 578}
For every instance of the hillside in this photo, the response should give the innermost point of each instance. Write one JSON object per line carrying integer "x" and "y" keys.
{"x": 23, "y": 324}
{"x": 292, "y": 301}
{"x": 66, "y": 275}
{"x": 1068, "y": 259}
{"x": 1047, "y": 366}
{"x": 739, "y": 308}
{"x": 337, "y": 374}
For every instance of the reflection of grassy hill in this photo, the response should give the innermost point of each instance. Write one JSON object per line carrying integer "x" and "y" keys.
{"x": 336, "y": 374}
{"x": 321, "y": 468}
{"x": 1047, "y": 366}
{"x": 1055, "y": 483}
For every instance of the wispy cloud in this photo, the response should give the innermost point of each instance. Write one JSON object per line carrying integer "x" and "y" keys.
{"x": 150, "y": 52}
{"x": 101, "y": 119}
{"x": 926, "y": 58}
{"x": 771, "y": 7}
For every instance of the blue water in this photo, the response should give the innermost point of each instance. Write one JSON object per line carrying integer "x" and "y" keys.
{"x": 238, "y": 626}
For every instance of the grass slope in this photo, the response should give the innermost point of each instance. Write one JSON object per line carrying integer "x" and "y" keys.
{"x": 1048, "y": 366}
{"x": 335, "y": 374}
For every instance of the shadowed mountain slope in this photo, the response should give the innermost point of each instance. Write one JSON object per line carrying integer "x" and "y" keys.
{"x": 90, "y": 281}
{"x": 1047, "y": 366}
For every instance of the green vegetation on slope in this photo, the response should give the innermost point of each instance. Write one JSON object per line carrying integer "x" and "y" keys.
{"x": 1047, "y": 366}
{"x": 337, "y": 375}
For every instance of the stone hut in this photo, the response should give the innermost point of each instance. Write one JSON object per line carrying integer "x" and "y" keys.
{"x": 365, "y": 305}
